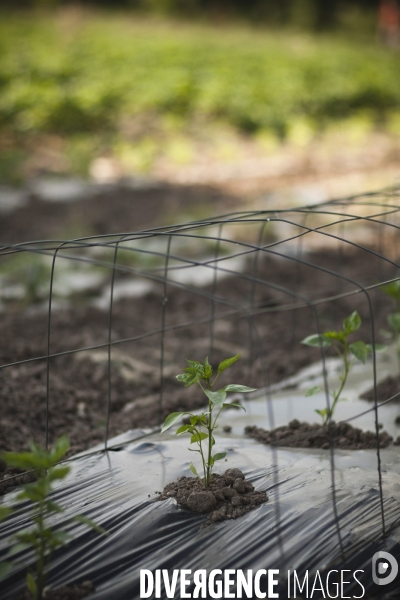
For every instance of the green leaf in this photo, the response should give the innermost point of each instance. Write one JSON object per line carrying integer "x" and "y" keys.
{"x": 23, "y": 460}
{"x": 317, "y": 341}
{"x": 184, "y": 429}
{"x": 198, "y": 437}
{"x": 31, "y": 584}
{"x": 219, "y": 456}
{"x": 191, "y": 371}
{"x": 26, "y": 537}
{"x": 216, "y": 398}
{"x": 394, "y": 321}
{"x": 183, "y": 377}
{"x": 5, "y": 569}
{"x": 32, "y": 493}
{"x": 234, "y": 404}
{"x": 392, "y": 289}
{"x": 60, "y": 448}
{"x": 194, "y": 470}
{"x": 58, "y": 473}
{"x": 359, "y": 350}
{"x": 59, "y": 538}
{"x": 233, "y": 387}
{"x": 211, "y": 461}
{"x": 334, "y": 335}
{"x": 171, "y": 419}
{"x": 4, "y": 512}
{"x": 196, "y": 366}
{"x": 227, "y": 363}
{"x": 352, "y": 323}
{"x": 208, "y": 371}
{"x": 89, "y": 523}
{"x": 194, "y": 420}
{"x": 378, "y": 347}
{"x": 192, "y": 379}
{"x": 19, "y": 547}
{"x": 324, "y": 412}
{"x": 54, "y": 507}
{"x": 313, "y": 390}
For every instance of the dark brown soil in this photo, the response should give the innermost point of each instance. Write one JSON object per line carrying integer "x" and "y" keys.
{"x": 66, "y": 592}
{"x": 228, "y": 496}
{"x": 385, "y": 389}
{"x": 312, "y": 435}
{"x": 115, "y": 210}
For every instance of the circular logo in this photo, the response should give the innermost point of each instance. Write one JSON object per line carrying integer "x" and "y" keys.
{"x": 384, "y": 568}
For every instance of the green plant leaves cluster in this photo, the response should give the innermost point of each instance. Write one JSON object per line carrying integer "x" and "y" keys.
{"x": 339, "y": 340}
{"x": 41, "y": 537}
{"x": 351, "y": 324}
{"x": 201, "y": 427}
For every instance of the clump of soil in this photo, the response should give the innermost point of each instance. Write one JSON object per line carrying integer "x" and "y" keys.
{"x": 66, "y": 592}
{"x": 228, "y": 496}
{"x": 311, "y": 435}
{"x": 385, "y": 389}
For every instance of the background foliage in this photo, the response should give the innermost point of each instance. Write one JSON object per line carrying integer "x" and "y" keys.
{"x": 100, "y": 81}
{"x": 319, "y": 14}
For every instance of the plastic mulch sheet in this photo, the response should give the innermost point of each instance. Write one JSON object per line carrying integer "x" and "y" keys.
{"x": 295, "y": 530}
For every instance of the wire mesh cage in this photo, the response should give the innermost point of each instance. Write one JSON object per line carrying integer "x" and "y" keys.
{"x": 96, "y": 329}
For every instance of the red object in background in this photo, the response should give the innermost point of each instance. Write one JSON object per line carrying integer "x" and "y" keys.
{"x": 389, "y": 15}
{"x": 389, "y": 22}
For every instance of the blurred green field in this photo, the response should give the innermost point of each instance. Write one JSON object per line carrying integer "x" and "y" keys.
{"x": 106, "y": 82}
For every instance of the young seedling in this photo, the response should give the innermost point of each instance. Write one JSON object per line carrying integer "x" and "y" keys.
{"x": 42, "y": 538}
{"x": 339, "y": 340}
{"x": 393, "y": 290}
{"x": 201, "y": 427}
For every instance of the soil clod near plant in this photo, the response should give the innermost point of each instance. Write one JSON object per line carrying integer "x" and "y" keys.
{"x": 385, "y": 389}
{"x": 228, "y": 496}
{"x": 311, "y": 435}
{"x": 66, "y": 592}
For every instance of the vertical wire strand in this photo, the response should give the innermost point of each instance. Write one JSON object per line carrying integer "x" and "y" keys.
{"x": 110, "y": 315}
{"x": 162, "y": 336}
{"x": 213, "y": 293}
{"x": 48, "y": 345}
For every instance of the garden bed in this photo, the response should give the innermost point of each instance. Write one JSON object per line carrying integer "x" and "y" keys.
{"x": 113, "y": 373}
{"x": 78, "y": 381}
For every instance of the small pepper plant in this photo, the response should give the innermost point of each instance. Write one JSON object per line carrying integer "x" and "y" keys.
{"x": 339, "y": 340}
{"x": 393, "y": 290}
{"x": 201, "y": 427}
{"x": 41, "y": 537}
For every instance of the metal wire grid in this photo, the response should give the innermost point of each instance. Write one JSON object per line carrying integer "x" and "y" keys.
{"x": 368, "y": 224}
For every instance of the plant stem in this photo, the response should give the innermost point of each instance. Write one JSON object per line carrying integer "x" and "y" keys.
{"x": 337, "y": 394}
{"x": 202, "y": 458}
{"x": 210, "y": 429}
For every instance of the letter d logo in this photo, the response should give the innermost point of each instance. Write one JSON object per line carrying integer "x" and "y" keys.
{"x": 384, "y": 568}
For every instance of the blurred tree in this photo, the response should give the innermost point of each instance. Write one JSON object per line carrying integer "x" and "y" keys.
{"x": 316, "y": 14}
